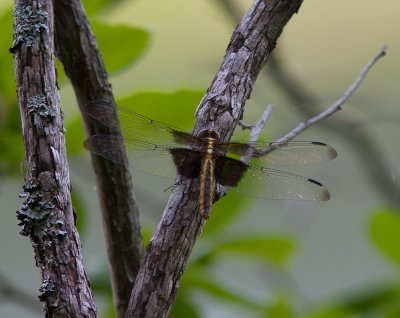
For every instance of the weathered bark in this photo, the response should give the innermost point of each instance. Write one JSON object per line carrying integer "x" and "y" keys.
{"x": 47, "y": 215}
{"x": 77, "y": 50}
{"x": 220, "y": 109}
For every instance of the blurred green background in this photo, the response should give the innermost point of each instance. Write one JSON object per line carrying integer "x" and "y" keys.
{"x": 256, "y": 258}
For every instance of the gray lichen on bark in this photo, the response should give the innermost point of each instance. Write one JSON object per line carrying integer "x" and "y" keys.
{"x": 38, "y": 104}
{"x": 29, "y": 24}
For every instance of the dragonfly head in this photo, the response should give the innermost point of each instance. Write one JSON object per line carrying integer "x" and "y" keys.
{"x": 208, "y": 134}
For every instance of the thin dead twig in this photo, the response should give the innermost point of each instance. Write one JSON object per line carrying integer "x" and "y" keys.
{"x": 338, "y": 104}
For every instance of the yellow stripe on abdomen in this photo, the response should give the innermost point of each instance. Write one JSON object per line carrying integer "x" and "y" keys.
{"x": 207, "y": 184}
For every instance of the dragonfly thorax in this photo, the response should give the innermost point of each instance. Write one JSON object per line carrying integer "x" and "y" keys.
{"x": 210, "y": 138}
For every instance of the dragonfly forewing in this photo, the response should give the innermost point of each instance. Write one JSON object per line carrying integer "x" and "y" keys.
{"x": 143, "y": 156}
{"x": 106, "y": 146}
{"x": 290, "y": 153}
{"x": 136, "y": 126}
{"x": 276, "y": 184}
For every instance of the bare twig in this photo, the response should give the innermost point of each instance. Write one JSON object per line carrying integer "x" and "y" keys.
{"x": 336, "y": 106}
{"x": 256, "y": 131}
{"x": 245, "y": 126}
{"x": 260, "y": 124}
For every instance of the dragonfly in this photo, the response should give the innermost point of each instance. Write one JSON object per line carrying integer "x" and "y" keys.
{"x": 164, "y": 150}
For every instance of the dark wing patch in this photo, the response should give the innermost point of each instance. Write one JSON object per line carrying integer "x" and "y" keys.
{"x": 229, "y": 171}
{"x": 187, "y": 162}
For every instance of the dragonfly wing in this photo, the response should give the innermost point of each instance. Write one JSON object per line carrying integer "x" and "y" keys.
{"x": 136, "y": 126}
{"x": 294, "y": 152}
{"x": 106, "y": 146}
{"x": 158, "y": 149}
{"x": 146, "y": 157}
{"x": 229, "y": 171}
{"x": 154, "y": 162}
{"x": 276, "y": 184}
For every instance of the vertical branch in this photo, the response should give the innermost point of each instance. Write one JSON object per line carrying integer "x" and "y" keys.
{"x": 78, "y": 51}
{"x": 221, "y": 108}
{"x": 47, "y": 215}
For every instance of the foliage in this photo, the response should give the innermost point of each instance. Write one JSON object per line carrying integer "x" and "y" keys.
{"x": 273, "y": 251}
{"x": 11, "y": 153}
{"x": 382, "y": 300}
{"x": 385, "y": 233}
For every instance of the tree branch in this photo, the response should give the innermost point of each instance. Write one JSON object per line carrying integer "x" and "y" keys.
{"x": 77, "y": 49}
{"x": 337, "y": 105}
{"x": 220, "y": 109}
{"x": 47, "y": 215}
{"x": 275, "y": 69}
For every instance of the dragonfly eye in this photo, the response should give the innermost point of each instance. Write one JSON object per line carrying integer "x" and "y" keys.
{"x": 207, "y": 134}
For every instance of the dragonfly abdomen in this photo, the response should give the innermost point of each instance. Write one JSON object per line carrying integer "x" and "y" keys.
{"x": 207, "y": 186}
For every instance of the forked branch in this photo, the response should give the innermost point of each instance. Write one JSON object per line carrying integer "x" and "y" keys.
{"x": 220, "y": 110}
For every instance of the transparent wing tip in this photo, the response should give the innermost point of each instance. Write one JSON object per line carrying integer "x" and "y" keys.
{"x": 323, "y": 194}
{"x": 329, "y": 150}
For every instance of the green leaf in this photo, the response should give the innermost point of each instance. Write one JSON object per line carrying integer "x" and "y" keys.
{"x": 61, "y": 76}
{"x": 74, "y": 136}
{"x": 7, "y": 82}
{"x": 171, "y": 107}
{"x": 338, "y": 312}
{"x": 109, "y": 310}
{"x": 80, "y": 212}
{"x": 93, "y": 6}
{"x": 120, "y": 45}
{"x": 364, "y": 303}
{"x": 11, "y": 145}
{"x": 147, "y": 233}
{"x": 100, "y": 280}
{"x": 175, "y": 108}
{"x": 117, "y": 52}
{"x": 224, "y": 212}
{"x": 274, "y": 250}
{"x": 197, "y": 280}
{"x": 99, "y": 6}
{"x": 183, "y": 307}
{"x": 280, "y": 309}
{"x": 385, "y": 233}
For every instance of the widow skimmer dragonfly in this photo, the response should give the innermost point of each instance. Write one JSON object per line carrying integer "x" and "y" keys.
{"x": 151, "y": 145}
